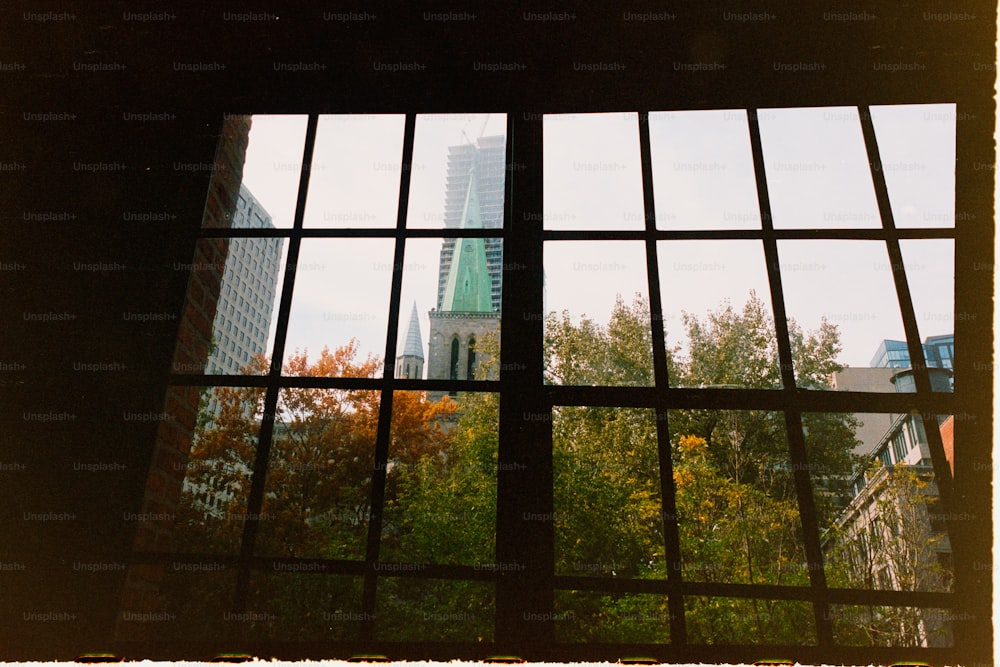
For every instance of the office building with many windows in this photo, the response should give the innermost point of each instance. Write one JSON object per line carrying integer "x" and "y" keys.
{"x": 249, "y": 284}
{"x": 939, "y": 351}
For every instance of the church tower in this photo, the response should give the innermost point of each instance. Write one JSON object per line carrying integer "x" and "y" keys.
{"x": 466, "y": 314}
{"x": 410, "y": 364}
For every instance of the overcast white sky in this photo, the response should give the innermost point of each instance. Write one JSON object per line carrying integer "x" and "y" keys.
{"x": 703, "y": 179}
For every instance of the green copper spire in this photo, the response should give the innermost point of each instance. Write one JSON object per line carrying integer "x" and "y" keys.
{"x": 469, "y": 286}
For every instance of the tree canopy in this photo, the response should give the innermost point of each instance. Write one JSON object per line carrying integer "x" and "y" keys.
{"x": 737, "y": 508}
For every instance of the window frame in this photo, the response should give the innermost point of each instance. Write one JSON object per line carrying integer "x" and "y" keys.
{"x": 525, "y": 470}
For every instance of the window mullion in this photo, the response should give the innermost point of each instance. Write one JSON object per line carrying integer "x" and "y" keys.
{"x": 942, "y": 470}
{"x": 381, "y": 456}
{"x": 255, "y": 499}
{"x": 793, "y": 420}
{"x": 525, "y": 537}
{"x": 668, "y": 491}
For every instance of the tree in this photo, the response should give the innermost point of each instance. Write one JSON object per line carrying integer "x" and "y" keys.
{"x": 735, "y": 495}
{"x": 445, "y": 508}
{"x": 589, "y": 354}
{"x": 322, "y": 455}
{"x": 607, "y": 492}
{"x": 730, "y": 348}
{"x": 732, "y": 531}
{"x": 444, "y": 511}
{"x": 890, "y": 542}
{"x": 318, "y": 488}
{"x": 736, "y": 502}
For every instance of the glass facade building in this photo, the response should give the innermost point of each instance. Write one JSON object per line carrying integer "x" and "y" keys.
{"x": 939, "y": 351}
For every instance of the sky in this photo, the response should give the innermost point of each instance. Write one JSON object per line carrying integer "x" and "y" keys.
{"x": 703, "y": 178}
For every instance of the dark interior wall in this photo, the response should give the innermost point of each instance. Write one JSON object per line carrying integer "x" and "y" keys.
{"x": 79, "y": 163}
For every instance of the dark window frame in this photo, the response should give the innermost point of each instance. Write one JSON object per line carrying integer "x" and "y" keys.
{"x": 527, "y": 445}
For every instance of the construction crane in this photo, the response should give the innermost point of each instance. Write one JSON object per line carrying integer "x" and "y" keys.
{"x": 481, "y": 131}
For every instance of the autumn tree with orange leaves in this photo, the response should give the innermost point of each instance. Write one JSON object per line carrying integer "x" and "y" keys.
{"x": 319, "y": 476}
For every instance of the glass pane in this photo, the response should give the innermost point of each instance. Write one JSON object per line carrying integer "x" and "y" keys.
{"x": 592, "y": 172}
{"x": 703, "y": 173}
{"x": 597, "y": 329}
{"x": 817, "y": 169}
{"x": 835, "y": 444}
{"x": 354, "y": 175}
{"x": 736, "y": 505}
{"x": 882, "y": 527}
{"x": 587, "y": 616}
{"x": 453, "y": 302}
{"x": 213, "y": 503}
{"x": 302, "y": 607}
{"x": 442, "y": 479}
{"x": 459, "y": 166}
{"x": 737, "y": 621}
{"x": 841, "y": 304}
{"x": 930, "y": 272}
{"x": 340, "y": 303}
{"x": 917, "y": 145}
{"x": 195, "y": 604}
{"x": 271, "y": 172}
{"x": 435, "y": 610}
{"x": 876, "y": 625}
{"x": 235, "y": 285}
{"x": 717, "y": 309}
{"x": 318, "y": 488}
{"x": 606, "y": 498}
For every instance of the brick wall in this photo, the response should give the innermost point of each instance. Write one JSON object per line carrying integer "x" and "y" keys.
{"x": 154, "y": 529}
{"x": 948, "y": 440}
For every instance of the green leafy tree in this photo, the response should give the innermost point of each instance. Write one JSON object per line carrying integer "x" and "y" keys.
{"x": 587, "y": 353}
{"x": 607, "y": 492}
{"x": 737, "y": 509}
{"x": 445, "y": 508}
{"x": 735, "y": 532}
{"x": 444, "y": 512}
{"x": 731, "y": 348}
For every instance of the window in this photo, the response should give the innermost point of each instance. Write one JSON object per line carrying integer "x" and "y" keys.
{"x": 470, "y": 367}
{"x": 899, "y": 448}
{"x": 885, "y": 457}
{"x": 453, "y": 365}
{"x": 649, "y": 428}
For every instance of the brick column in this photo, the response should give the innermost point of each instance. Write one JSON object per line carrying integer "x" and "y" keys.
{"x": 155, "y": 527}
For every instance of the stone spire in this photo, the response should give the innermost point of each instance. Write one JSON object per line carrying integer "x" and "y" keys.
{"x": 414, "y": 346}
{"x": 469, "y": 287}
{"x": 410, "y": 363}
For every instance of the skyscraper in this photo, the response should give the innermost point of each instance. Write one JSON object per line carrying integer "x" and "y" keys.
{"x": 246, "y": 293}
{"x": 242, "y": 320}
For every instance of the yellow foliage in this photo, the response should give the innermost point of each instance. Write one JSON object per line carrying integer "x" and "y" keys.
{"x": 691, "y": 443}
{"x": 683, "y": 477}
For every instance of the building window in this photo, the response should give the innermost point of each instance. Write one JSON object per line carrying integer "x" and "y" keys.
{"x": 899, "y": 448}
{"x": 470, "y": 367}
{"x": 885, "y": 457}
{"x": 453, "y": 364}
